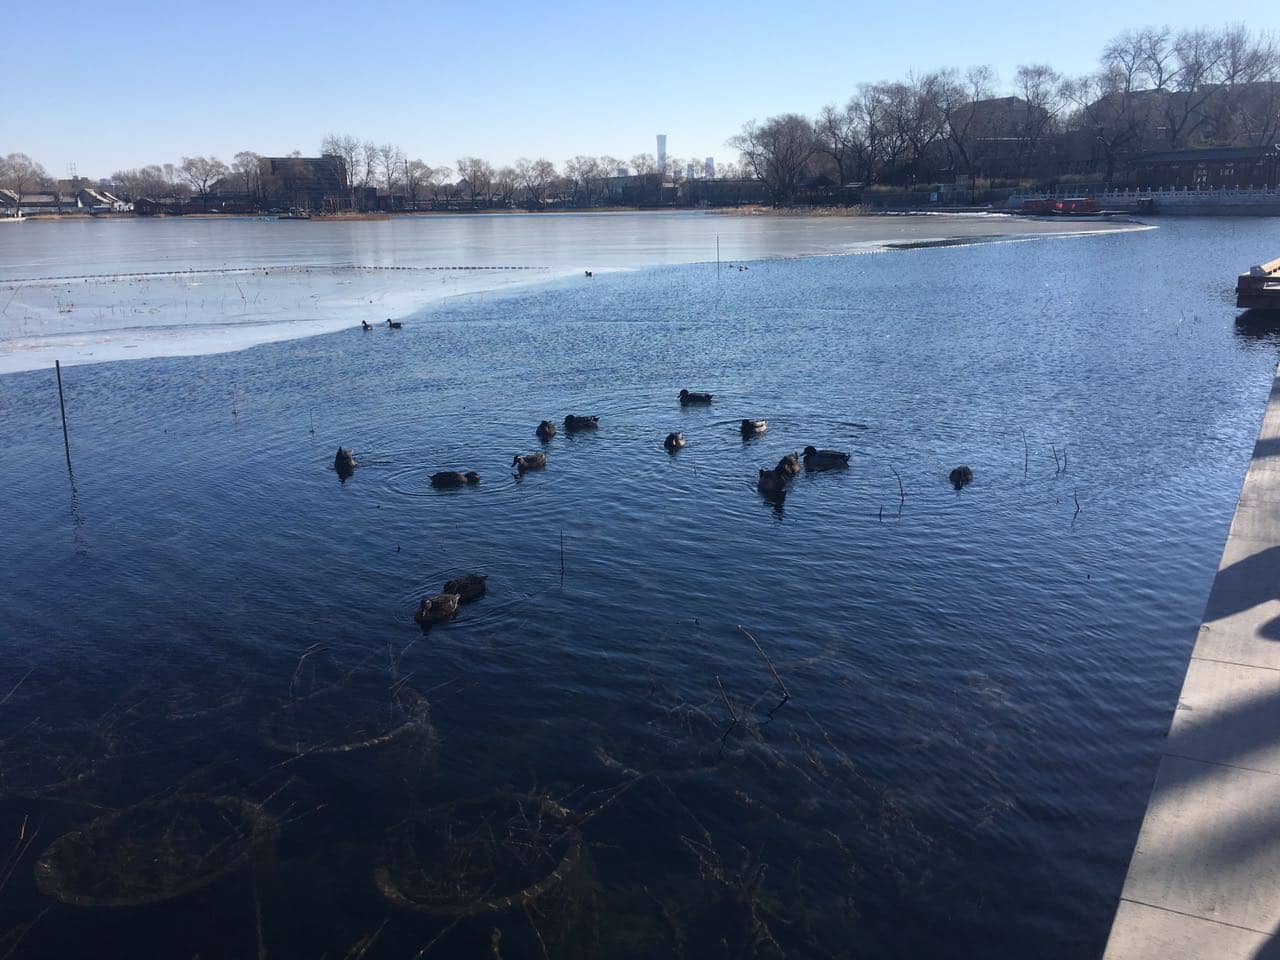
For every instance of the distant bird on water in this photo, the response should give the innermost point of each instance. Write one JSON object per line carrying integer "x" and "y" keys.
{"x": 688, "y": 399}
{"x": 546, "y": 430}
{"x": 673, "y": 442}
{"x": 394, "y": 324}
{"x": 753, "y": 428}
{"x": 961, "y": 477}
{"x": 366, "y": 326}
{"x": 574, "y": 422}
{"x": 452, "y": 479}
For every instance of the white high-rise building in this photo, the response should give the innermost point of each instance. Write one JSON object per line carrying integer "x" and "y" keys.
{"x": 662, "y": 154}
{"x": 710, "y": 171}
{"x": 688, "y": 170}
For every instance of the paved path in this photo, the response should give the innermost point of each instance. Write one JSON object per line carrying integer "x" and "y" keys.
{"x": 1204, "y": 882}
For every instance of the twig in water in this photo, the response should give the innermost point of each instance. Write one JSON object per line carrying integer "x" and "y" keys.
{"x": 562, "y": 555}
{"x": 1057, "y": 467}
{"x": 1075, "y": 496}
{"x": 786, "y": 694}
{"x": 1026, "y": 455}
{"x": 1064, "y": 458}
{"x": 902, "y": 493}
{"x": 311, "y": 420}
{"x": 881, "y": 517}
{"x": 733, "y": 714}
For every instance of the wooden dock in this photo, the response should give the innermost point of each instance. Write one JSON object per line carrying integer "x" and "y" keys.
{"x": 1259, "y": 289}
{"x": 1204, "y": 881}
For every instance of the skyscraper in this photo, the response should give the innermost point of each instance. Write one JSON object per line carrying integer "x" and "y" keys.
{"x": 710, "y": 171}
{"x": 662, "y": 154}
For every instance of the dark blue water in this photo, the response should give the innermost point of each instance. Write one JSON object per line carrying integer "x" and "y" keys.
{"x": 979, "y": 680}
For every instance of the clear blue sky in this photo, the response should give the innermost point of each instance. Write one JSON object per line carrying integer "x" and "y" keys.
{"x": 130, "y": 83}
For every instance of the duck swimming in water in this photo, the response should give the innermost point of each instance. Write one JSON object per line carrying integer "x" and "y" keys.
{"x": 529, "y": 461}
{"x": 789, "y": 466}
{"x": 772, "y": 483}
{"x": 673, "y": 442}
{"x": 753, "y": 428}
{"x": 366, "y": 326}
{"x": 468, "y": 587}
{"x": 961, "y": 477}
{"x": 452, "y": 479}
{"x": 688, "y": 399}
{"x": 345, "y": 462}
{"x": 438, "y": 609}
{"x": 546, "y": 430}
{"x": 573, "y": 422}
{"x": 815, "y": 459}
{"x": 393, "y": 324}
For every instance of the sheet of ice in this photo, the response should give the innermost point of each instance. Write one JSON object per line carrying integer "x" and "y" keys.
{"x": 97, "y": 290}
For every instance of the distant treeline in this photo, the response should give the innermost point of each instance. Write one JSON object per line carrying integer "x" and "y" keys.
{"x": 1154, "y": 89}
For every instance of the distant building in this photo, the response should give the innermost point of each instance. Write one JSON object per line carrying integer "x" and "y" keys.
{"x": 1209, "y": 169}
{"x": 304, "y": 183}
{"x": 710, "y": 168}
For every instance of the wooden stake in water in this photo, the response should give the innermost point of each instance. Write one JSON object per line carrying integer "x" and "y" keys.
{"x": 717, "y": 256}
{"x": 66, "y": 442}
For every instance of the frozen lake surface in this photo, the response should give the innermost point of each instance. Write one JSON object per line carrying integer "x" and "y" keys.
{"x": 90, "y": 291}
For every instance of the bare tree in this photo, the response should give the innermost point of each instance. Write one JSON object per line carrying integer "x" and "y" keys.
{"x": 349, "y": 150}
{"x": 1039, "y": 87}
{"x": 478, "y": 175}
{"x": 777, "y": 152}
{"x": 21, "y": 175}
{"x": 202, "y": 173}
{"x": 644, "y": 164}
{"x": 535, "y": 177}
{"x": 390, "y": 167}
{"x": 247, "y": 167}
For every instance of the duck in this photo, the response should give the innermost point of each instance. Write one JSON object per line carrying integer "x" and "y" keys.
{"x": 468, "y": 587}
{"x": 961, "y": 477}
{"x": 815, "y": 459}
{"x": 366, "y": 326}
{"x": 688, "y": 399}
{"x": 589, "y": 274}
{"x": 394, "y": 324}
{"x": 529, "y": 461}
{"x": 673, "y": 442}
{"x": 344, "y": 461}
{"x": 573, "y": 422}
{"x": 772, "y": 483}
{"x": 753, "y": 428}
{"x": 437, "y": 609}
{"x": 452, "y": 479}
{"x": 546, "y": 430}
{"x": 789, "y": 466}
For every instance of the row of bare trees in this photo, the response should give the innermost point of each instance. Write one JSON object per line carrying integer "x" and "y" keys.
{"x": 1153, "y": 89}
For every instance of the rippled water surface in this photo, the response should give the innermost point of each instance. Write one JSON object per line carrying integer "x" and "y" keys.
{"x": 217, "y": 693}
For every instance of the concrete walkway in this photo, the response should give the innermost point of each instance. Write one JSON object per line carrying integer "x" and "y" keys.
{"x": 1204, "y": 882}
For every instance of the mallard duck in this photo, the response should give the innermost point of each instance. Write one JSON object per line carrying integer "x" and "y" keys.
{"x": 688, "y": 399}
{"x": 452, "y": 479}
{"x": 468, "y": 587}
{"x": 815, "y": 459}
{"x": 366, "y": 326}
{"x": 772, "y": 483}
{"x": 789, "y": 466}
{"x": 753, "y": 428}
{"x": 439, "y": 609}
{"x": 529, "y": 461}
{"x": 961, "y": 476}
{"x": 573, "y": 422}
{"x": 394, "y": 324}
{"x": 345, "y": 461}
{"x": 546, "y": 430}
{"x": 673, "y": 442}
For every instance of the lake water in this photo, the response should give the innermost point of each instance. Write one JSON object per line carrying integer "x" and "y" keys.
{"x": 225, "y": 735}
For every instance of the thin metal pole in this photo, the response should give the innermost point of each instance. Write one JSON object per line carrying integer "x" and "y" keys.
{"x": 66, "y": 443}
{"x": 717, "y": 255}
